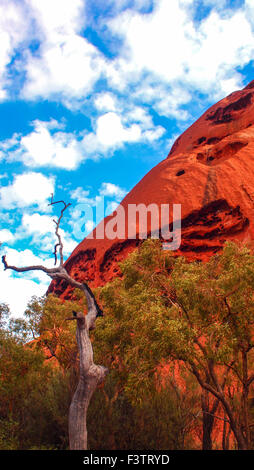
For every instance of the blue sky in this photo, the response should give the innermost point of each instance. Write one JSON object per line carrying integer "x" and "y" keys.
{"x": 93, "y": 94}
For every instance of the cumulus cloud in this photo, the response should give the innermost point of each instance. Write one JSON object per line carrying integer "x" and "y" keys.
{"x": 169, "y": 47}
{"x": 28, "y": 258}
{"x": 80, "y": 194}
{"x": 113, "y": 130}
{"x": 37, "y": 224}
{"x": 66, "y": 63}
{"x": 41, "y": 228}
{"x": 14, "y": 28}
{"x": 27, "y": 189}
{"x": 221, "y": 50}
{"x": 163, "y": 46}
{"x": 24, "y": 285}
{"x": 24, "y": 289}
{"x": 105, "y": 102}
{"x": 48, "y": 145}
{"x": 112, "y": 190}
{"x": 59, "y": 17}
{"x": 110, "y": 130}
{"x": 166, "y": 100}
{"x": 6, "y": 236}
{"x": 70, "y": 67}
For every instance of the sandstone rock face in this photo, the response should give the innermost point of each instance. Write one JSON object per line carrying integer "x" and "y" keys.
{"x": 209, "y": 171}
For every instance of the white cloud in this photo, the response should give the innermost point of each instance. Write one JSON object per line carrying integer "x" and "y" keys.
{"x": 167, "y": 101}
{"x": 168, "y": 47}
{"x": 59, "y": 17}
{"x": 114, "y": 130}
{"x": 140, "y": 115}
{"x": 42, "y": 148}
{"x": 112, "y": 190}
{"x": 14, "y": 28}
{"x": 37, "y": 224}
{"x": 28, "y": 189}
{"x": 109, "y": 190}
{"x": 131, "y": 124}
{"x": 105, "y": 102}
{"x": 80, "y": 194}
{"x": 6, "y": 236}
{"x": 24, "y": 285}
{"x": 164, "y": 48}
{"x": 27, "y": 258}
{"x": 110, "y": 130}
{"x": 42, "y": 230}
{"x": 47, "y": 146}
{"x": 220, "y": 49}
{"x": 24, "y": 289}
{"x": 66, "y": 62}
{"x": 69, "y": 67}
{"x": 150, "y": 40}
{"x": 7, "y": 144}
{"x": 153, "y": 134}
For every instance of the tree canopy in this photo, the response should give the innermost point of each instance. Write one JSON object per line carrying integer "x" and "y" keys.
{"x": 177, "y": 337}
{"x": 167, "y": 309}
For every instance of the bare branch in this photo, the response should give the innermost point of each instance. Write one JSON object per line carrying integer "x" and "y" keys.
{"x": 50, "y": 271}
{"x": 60, "y": 273}
{"x": 55, "y": 252}
{"x": 250, "y": 380}
{"x": 90, "y": 374}
{"x": 57, "y": 222}
{"x": 211, "y": 414}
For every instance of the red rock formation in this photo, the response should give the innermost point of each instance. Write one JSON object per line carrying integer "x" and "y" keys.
{"x": 209, "y": 171}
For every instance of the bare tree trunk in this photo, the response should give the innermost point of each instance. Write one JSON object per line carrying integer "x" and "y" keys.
{"x": 226, "y": 434}
{"x": 245, "y": 394}
{"x": 220, "y": 395}
{"x": 90, "y": 376}
{"x": 109, "y": 410}
{"x": 208, "y": 420}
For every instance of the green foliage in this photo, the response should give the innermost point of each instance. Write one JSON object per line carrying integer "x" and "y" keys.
{"x": 166, "y": 308}
{"x": 163, "y": 311}
{"x": 8, "y": 434}
{"x": 163, "y": 420}
{"x": 48, "y": 320}
{"x": 35, "y": 393}
{"x": 160, "y": 309}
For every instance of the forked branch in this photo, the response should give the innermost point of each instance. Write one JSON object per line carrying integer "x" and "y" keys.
{"x": 57, "y": 222}
{"x": 90, "y": 374}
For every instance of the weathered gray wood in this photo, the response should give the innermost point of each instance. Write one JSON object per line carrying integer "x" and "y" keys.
{"x": 91, "y": 375}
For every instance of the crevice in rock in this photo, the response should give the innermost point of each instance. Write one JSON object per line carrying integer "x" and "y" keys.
{"x": 215, "y": 157}
{"x": 116, "y": 254}
{"x": 224, "y": 115}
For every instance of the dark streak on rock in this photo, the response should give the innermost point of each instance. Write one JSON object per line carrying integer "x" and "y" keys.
{"x": 223, "y": 115}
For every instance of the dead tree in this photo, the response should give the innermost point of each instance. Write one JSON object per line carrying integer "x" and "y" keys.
{"x": 91, "y": 374}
